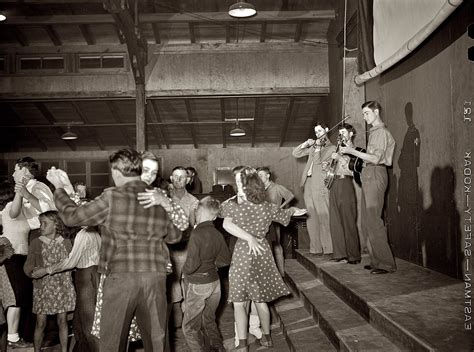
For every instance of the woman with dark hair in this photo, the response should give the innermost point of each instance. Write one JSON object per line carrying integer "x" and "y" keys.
{"x": 253, "y": 275}
{"x": 16, "y": 230}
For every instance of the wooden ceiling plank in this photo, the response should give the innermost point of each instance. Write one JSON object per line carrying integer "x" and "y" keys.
{"x": 84, "y": 118}
{"x": 52, "y": 120}
{"x": 298, "y": 31}
{"x": 53, "y": 35}
{"x": 157, "y": 116}
{"x": 116, "y": 115}
{"x": 224, "y": 130}
{"x": 255, "y": 118}
{"x": 289, "y": 115}
{"x": 195, "y": 17}
{"x": 87, "y": 34}
{"x": 31, "y": 131}
{"x": 191, "y": 119}
{"x": 263, "y": 32}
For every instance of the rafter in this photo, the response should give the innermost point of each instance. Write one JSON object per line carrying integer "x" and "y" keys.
{"x": 84, "y": 118}
{"x": 298, "y": 31}
{"x": 224, "y": 130}
{"x": 19, "y": 36}
{"x": 263, "y": 32}
{"x": 51, "y": 119}
{"x": 136, "y": 42}
{"x": 157, "y": 116}
{"x": 87, "y": 34}
{"x": 116, "y": 115}
{"x": 191, "y": 119}
{"x": 255, "y": 117}
{"x": 192, "y": 34}
{"x": 53, "y": 35}
{"x": 289, "y": 116}
{"x": 7, "y": 108}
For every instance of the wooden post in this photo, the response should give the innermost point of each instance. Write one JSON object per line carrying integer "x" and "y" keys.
{"x": 141, "y": 117}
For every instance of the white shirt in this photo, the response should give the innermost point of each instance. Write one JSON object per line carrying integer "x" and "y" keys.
{"x": 16, "y": 230}
{"x": 45, "y": 199}
{"x": 84, "y": 253}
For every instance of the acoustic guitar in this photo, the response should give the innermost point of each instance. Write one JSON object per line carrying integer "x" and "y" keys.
{"x": 356, "y": 165}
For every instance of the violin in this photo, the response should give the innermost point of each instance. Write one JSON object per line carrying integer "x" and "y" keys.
{"x": 331, "y": 173}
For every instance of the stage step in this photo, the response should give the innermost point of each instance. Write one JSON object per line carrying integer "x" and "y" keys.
{"x": 416, "y": 308}
{"x": 344, "y": 327}
{"x": 301, "y": 332}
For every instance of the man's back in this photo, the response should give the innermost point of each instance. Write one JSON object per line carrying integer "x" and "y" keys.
{"x": 132, "y": 236}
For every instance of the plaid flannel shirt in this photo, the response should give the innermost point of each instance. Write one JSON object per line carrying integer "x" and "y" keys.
{"x": 133, "y": 238}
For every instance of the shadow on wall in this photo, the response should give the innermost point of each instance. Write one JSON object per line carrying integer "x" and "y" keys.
{"x": 440, "y": 235}
{"x": 430, "y": 237}
{"x": 404, "y": 208}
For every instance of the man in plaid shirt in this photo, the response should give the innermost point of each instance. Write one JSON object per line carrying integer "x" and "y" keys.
{"x": 134, "y": 253}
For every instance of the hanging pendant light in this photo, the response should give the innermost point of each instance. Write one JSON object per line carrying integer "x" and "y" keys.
{"x": 237, "y": 131}
{"x": 68, "y": 136}
{"x": 242, "y": 9}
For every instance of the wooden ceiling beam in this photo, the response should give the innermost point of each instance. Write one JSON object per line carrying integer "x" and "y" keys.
{"x": 116, "y": 115}
{"x": 255, "y": 118}
{"x": 87, "y": 34}
{"x": 7, "y": 108}
{"x": 191, "y": 119}
{"x": 192, "y": 33}
{"x": 156, "y": 115}
{"x": 289, "y": 116}
{"x": 136, "y": 42}
{"x": 224, "y": 130}
{"x": 52, "y": 120}
{"x": 195, "y": 17}
{"x": 53, "y": 35}
{"x": 84, "y": 118}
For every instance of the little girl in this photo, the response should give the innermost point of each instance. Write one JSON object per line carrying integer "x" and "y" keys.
{"x": 52, "y": 294}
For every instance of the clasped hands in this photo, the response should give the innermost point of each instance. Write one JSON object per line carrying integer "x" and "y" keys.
{"x": 154, "y": 197}
{"x": 59, "y": 179}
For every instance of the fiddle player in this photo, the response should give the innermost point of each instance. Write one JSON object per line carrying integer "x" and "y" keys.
{"x": 343, "y": 204}
{"x": 379, "y": 155}
{"x": 316, "y": 195}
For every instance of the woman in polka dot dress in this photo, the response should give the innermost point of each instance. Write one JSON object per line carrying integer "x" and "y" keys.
{"x": 253, "y": 274}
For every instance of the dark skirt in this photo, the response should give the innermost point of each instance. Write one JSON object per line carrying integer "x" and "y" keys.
{"x": 21, "y": 284}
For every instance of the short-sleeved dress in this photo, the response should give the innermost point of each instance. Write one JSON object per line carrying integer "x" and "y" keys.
{"x": 254, "y": 277}
{"x": 55, "y": 293}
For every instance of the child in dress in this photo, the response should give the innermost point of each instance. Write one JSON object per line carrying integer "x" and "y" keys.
{"x": 253, "y": 274}
{"x": 52, "y": 294}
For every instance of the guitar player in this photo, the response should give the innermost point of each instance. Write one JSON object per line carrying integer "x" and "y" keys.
{"x": 343, "y": 205}
{"x": 380, "y": 148}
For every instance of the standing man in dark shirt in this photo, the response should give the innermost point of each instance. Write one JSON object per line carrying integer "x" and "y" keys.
{"x": 194, "y": 184}
{"x": 343, "y": 205}
{"x": 207, "y": 251}
{"x": 380, "y": 148}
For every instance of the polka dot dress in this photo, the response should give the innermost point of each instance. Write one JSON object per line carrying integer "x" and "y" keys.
{"x": 254, "y": 277}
